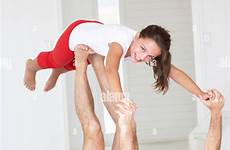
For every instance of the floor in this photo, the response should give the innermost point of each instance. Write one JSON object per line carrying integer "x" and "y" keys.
{"x": 178, "y": 145}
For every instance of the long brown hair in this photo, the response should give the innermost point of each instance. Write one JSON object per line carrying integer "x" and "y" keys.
{"x": 163, "y": 62}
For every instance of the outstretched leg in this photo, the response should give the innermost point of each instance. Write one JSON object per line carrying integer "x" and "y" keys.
{"x": 125, "y": 135}
{"x": 51, "y": 82}
{"x": 93, "y": 137}
{"x": 57, "y": 58}
{"x": 31, "y": 68}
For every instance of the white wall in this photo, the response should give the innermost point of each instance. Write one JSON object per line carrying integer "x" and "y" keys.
{"x": 78, "y": 9}
{"x": 211, "y": 21}
{"x": 31, "y": 120}
{"x": 1, "y": 98}
{"x": 173, "y": 116}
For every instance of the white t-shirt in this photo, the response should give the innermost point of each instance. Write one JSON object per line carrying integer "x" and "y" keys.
{"x": 98, "y": 36}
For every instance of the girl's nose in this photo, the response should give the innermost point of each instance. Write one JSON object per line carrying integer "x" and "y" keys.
{"x": 144, "y": 57}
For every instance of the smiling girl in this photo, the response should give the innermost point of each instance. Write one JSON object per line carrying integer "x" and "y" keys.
{"x": 151, "y": 45}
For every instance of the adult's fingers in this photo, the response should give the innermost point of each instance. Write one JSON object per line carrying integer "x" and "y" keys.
{"x": 131, "y": 104}
{"x": 122, "y": 109}
{"x": 210, "y": 94}
{"x": 124, "y": 105}
{"x": 217, "y": 94}
{"x": 221, "y": 100}
{"x": 127, "y": 104}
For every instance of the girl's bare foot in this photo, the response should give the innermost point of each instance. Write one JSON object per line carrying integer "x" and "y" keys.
{"x": 31, "y": 67}
{"x": 51, "y": 82}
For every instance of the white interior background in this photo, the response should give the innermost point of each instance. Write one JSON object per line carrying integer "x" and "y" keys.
{"x": 45, "y": 121}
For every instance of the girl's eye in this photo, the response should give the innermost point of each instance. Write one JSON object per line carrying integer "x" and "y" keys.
{"x": 142, "y": 48}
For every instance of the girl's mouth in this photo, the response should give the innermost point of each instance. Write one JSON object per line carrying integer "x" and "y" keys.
{"x": 135, "y": 57}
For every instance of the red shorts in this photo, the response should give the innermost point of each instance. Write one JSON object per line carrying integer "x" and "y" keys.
{"x": 61, "y": 56}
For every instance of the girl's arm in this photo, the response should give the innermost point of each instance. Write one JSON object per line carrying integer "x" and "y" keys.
{"x": 112, "y": 66}
{"x": 185, "y": 81}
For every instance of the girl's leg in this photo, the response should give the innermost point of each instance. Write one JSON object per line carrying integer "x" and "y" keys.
{"x": 31, "y": 68}
{"x": 84, "y": 104}
{"x": 51, "y": 82}
{"x": 61, "y": 55}
{"x": 56, "y": 59}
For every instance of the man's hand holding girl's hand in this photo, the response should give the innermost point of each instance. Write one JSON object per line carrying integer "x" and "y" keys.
{"x": 215, "y": 102}
{"x": 206, "y": 95}
{"x": 81, "y": 52}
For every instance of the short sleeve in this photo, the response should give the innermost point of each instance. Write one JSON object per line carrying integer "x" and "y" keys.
{"x": 123, "y": 37}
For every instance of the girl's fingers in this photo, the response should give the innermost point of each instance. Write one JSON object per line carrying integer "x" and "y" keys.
{"x": 200, "y": 97}
{"x": 209, "y": 92}
{"x": 206, "y": 97}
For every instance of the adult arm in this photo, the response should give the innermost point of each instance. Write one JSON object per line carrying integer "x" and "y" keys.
{"x": 215, "y": 105}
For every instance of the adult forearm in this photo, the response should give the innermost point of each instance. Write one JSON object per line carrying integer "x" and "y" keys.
{"x": 114, "y": 80}
{"x": 213, "y": 141}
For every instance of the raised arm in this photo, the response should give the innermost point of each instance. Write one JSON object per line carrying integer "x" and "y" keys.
{"x": 122, "y": 111}
{"x": 215, "y": 105}
{"x": 185, "y": 81}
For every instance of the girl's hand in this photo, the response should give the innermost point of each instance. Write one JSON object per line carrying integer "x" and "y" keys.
{"x": 216, "y": 102}
{"x": 206, "y": 95}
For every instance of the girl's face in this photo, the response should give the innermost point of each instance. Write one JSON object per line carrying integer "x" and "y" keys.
{"x": 143, "y": 49}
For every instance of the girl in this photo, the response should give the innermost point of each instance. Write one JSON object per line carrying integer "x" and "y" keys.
{"x": 151, "y": 45}
{"x": 115, "y": 42}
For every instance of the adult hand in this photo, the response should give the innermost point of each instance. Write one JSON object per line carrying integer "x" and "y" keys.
{"x": 81, "y": 52}
{"x": 205, "y": 95}
{"x": 215, "y": 102}
{"x": 85, "y": 47}
{"x": 125, "y": 110}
